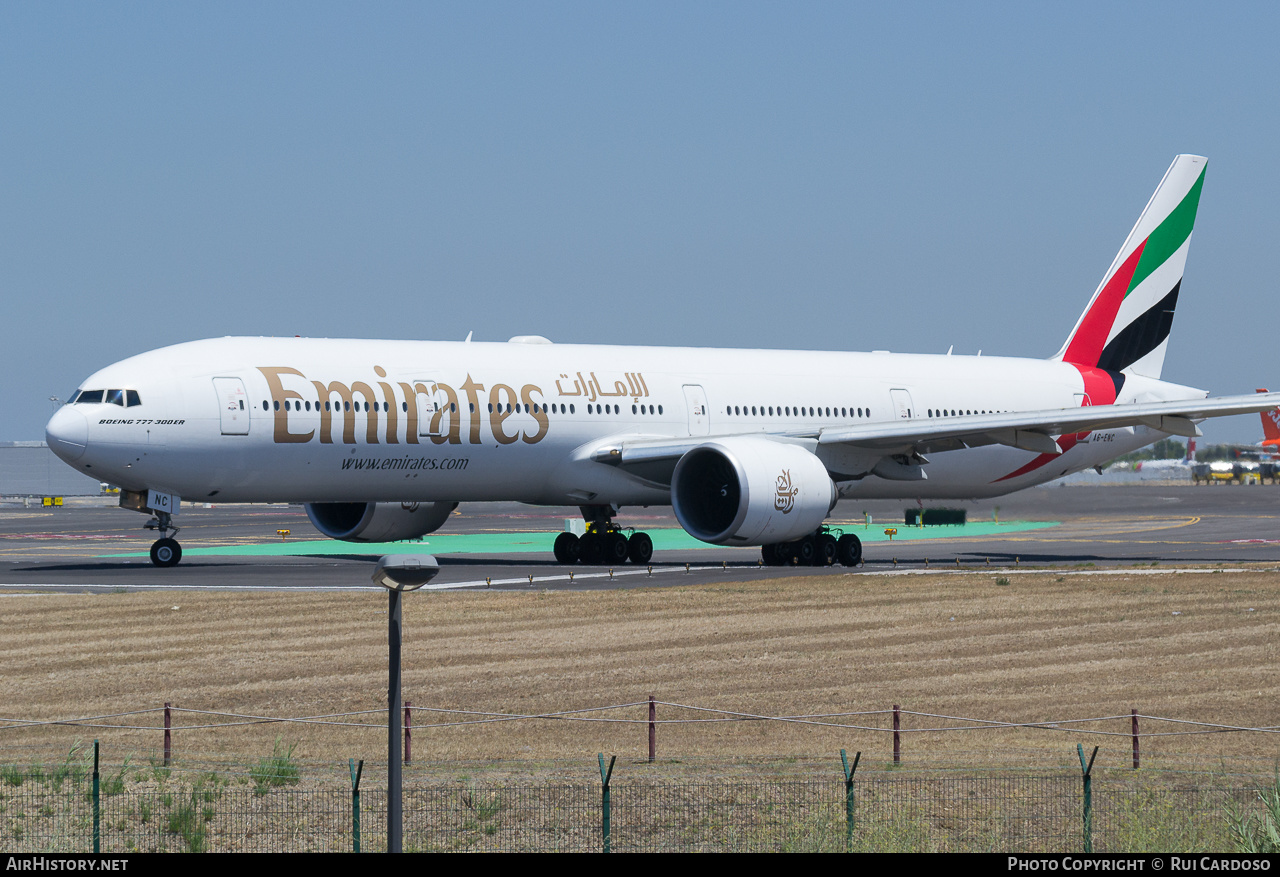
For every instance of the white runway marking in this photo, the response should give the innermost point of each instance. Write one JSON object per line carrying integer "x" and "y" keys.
{"x": 616, "y": 574}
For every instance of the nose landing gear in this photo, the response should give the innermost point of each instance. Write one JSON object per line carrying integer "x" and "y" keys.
{"x": 165, "y": 551}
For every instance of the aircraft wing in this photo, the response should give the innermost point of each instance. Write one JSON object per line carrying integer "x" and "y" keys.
{"x": 654, "y": 458}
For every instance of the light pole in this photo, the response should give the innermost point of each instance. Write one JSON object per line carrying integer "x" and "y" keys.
{"x": 398, "y": 573}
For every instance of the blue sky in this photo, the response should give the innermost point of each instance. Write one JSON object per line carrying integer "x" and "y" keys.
{"x": 905, "y": 176}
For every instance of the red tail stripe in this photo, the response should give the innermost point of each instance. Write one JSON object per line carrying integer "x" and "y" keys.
{"x": 1089, "y": 340}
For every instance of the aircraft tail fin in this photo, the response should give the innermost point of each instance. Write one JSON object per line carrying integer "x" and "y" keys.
{"x": 1126, "y": 326}
{"x": 1270, "y": 425}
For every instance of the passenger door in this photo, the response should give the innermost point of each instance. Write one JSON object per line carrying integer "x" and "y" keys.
{"x": 901, "y": 404}
{"x": 695, "y": 399}
{"x": 233, "y": 405}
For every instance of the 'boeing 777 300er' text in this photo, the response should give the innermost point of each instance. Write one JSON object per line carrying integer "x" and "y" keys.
{"x": 382, "y": 439}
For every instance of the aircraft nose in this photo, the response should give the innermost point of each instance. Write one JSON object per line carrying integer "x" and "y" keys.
{"x": 67, "y": 433}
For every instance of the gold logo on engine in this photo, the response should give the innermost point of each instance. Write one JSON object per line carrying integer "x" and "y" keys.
{"x": 785, "y": 497}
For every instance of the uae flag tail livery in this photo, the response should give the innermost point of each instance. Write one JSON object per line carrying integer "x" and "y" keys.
{"x": 1125, "y": 328}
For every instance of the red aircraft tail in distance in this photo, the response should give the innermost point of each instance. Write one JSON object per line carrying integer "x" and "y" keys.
{"x": 1270, "y": 427}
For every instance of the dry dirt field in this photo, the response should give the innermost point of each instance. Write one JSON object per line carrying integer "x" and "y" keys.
{"x": 1045, "y": 646}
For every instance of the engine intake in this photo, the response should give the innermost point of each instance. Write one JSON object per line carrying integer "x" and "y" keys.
{"x": 378, "y": 521}
{"x": 750, "y": 491}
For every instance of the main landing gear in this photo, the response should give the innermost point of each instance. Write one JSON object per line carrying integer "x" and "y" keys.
{"x": 823, "y": 548}
{"x": 604, "y": 543}
{"x": 165, "y": 551}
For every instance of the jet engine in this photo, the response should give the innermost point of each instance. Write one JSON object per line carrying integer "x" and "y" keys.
{"x": 750, "y": 491}
{"x": 378, "y": 521}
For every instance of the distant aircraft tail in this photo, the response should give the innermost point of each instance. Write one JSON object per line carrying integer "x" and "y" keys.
{"x": 1126, "y": 326}
{"x": 1270, "y": 426}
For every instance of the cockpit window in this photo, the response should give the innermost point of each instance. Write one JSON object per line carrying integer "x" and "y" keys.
{"x": 123, "y": 398}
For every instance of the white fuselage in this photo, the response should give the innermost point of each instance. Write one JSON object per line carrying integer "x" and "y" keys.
{"x": 285, "y": 419}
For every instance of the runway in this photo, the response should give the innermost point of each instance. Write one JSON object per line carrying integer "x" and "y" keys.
{"x": 507, "y": 546}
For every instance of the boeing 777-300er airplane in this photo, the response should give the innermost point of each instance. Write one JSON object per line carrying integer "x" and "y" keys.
{"x": 382, "y": 439}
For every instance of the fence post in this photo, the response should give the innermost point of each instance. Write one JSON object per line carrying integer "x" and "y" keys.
{"x": 606, "y": 806}
{"x": 355, "y": 802}
{"x": 1136, "y": 760}
{"x": 97, "y": 803}
{"x": 408, "y": 733}
{"x": 849, "y": 800}
{"x": 897, "y": 742}
{"x": 1087, "y": 771}
{"x": 653, "y": 729}
{"x": 168, "y": 741}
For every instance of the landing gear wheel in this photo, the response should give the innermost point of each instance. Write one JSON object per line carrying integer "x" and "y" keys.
{"x": 804, "y": 551}
{"x": 615, "y": 547}
{"x": 591, "y": 549}
{"x": 849, "y": 550}
{"x": 166, "y": 552}
{"x": 566, "y": 548}
{"x": 773, "y": 555}
{"x": 639, "y": 548}
{"x": 825, "y": 550}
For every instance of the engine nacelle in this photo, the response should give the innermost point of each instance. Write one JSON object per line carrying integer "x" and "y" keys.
{"x": 378, "y": 521}
{"x": 751, "y": 491}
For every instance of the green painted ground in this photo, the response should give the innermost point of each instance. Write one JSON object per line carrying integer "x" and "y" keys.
{"x": 518, "y": 543}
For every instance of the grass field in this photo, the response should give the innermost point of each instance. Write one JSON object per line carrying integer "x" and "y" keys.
{"x": 1041, "y": 646}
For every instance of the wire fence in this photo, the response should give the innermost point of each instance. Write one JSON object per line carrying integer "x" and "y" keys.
{"x": 69, "y": 806}
{"x": 898, "y": 723}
